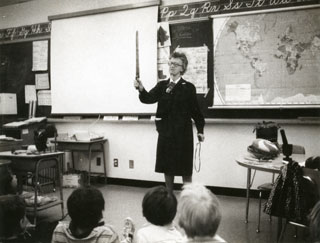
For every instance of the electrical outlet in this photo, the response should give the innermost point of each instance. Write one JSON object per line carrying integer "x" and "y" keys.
{"x": 131, "y": 164}
{"x": 98, "y": 161}
{"x": 115, "y": 163}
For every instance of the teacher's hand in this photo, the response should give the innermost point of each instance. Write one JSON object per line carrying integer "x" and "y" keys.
{"x": 200, "y": 137}
{"x": 138, "y": 84}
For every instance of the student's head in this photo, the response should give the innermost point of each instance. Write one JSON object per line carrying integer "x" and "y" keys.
{"x": 313, "y": 162}
{"x": 315, "y": 223}
{"x": 12, "y": 215}
{"x": 159, "y": 206}
{"x": 85, "y": 207}
{"x": 199, "y": 211}
{"x": 178, "y": 62}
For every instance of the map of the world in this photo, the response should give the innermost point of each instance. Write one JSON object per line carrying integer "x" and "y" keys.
{"x": 268, "y": 59}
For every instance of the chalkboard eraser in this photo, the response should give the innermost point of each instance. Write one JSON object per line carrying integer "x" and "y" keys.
{"x": 110, "y": 118}
{"x": 72, "y": 117}
{"x": 130, "y": 118}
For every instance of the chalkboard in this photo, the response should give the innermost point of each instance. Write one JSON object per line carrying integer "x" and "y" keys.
{"x": 196, "y": 34}
{"x": 15, "y": 73}
{"x": 93, "y": 61}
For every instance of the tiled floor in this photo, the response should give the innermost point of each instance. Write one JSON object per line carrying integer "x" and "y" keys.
{"x": 124, "y": 201}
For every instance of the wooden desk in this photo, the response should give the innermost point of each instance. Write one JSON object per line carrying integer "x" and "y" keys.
{"x": 73, "y": 145}
{"x": 23, "y": 163}
{"x": 273, "y": 166}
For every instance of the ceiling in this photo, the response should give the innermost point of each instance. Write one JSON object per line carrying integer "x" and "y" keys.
{"x": 11, "y": 2}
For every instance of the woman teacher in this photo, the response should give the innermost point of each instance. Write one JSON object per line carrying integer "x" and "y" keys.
{"x": 177, "y": 105}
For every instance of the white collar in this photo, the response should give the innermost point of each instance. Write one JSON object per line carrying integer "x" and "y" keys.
{"x": 171, "y": 80}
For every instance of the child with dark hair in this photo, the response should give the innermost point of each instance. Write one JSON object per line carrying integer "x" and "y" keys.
{"x": 159, "y": 207}
{"x": 85, "y": 206}
{"x": 13, "y": 221}
{"x": 315, "y": 223}
{"x": 313, "y": 162}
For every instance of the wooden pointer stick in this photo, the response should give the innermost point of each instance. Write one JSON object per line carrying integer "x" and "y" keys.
{"x": 137, "y": 56}
{"x": 137, "y": 61}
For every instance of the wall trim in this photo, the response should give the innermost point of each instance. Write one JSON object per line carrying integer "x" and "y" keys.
{"x": 223, "y": 191}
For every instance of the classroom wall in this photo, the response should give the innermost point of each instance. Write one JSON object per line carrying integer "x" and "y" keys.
{"x": 224, "y": 141}
{"x": 136, "y": 140}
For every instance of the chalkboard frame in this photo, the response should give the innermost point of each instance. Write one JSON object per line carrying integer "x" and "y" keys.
{"x": 272, "y": 111}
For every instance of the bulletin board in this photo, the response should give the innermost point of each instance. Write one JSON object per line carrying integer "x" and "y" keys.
{"x": 15, "y": 73}
{"x": 194, "y": 37}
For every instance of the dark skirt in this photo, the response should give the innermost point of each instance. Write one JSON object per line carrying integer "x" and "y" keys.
{"x": 175, "y": 155}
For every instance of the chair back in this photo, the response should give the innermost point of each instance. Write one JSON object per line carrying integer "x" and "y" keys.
{"x": 314, "y": 176}
{"x": 298, "y": 149}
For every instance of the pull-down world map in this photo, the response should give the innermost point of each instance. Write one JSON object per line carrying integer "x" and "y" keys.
{"x": 268, "y": 59}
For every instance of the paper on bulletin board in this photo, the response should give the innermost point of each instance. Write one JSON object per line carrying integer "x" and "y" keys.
{"x": 163, "y": 55}
{"x": 42, "y": 81}
{"x": 8, "y": 104}
{"x": 30, "y": 93}
{"x": 163, "y": 32}
{"x": 44, "y": 98}
{"x": 197, "y": 67}
{"x": 162, "y": 62}
{"x": 40, "y": 55}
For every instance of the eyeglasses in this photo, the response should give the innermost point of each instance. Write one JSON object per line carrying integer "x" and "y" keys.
{"x": 174, "y": 64}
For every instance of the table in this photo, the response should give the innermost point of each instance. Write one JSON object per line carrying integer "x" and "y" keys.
{"x": 74, "y": 145}
{"x": 273, "y": 166}
{"x": 22, "y": 163}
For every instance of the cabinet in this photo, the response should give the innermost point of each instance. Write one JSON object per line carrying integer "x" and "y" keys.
{"x": 23, "y": 132}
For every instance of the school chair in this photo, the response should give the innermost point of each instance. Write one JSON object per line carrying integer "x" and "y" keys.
{"x": 313, "y": 176}
{"x": 265, "y": 188}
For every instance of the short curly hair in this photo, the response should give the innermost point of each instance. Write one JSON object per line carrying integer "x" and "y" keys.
{"x": 85, "y": 206}
{"x": 199, "y": 211}
{"x": 183, "y": 58}
{"x": 159, "y": 206}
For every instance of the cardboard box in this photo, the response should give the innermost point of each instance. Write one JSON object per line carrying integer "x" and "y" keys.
{"x": 71, "y": 180}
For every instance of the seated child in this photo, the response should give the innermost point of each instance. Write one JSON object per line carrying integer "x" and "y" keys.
{"x": 13, "y": 221}
{"x": 315, "y": 223}
{"x": 6, "y": 186}
{"x": 159, "y": 207}
{"x": 85, "y": 206}
{"x": 199, "y": 214}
